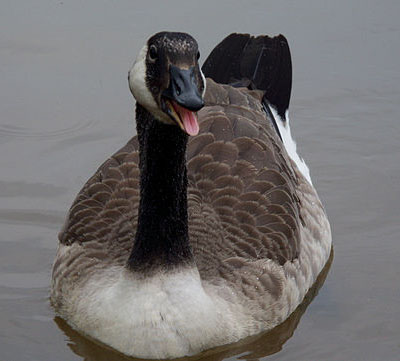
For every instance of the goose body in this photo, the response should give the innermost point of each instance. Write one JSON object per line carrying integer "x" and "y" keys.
{"x": 178, "y": 244}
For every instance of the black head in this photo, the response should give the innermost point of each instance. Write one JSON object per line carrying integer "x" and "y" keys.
{"x": 166, "y": 79}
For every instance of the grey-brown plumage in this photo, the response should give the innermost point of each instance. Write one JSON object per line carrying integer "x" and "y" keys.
{"x": 243, "y": 196}
{"x": 256, "y": 226}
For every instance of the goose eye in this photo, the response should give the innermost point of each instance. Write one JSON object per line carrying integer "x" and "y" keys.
{"x": 198, "y": 55}
{"x": 153, "y": 53}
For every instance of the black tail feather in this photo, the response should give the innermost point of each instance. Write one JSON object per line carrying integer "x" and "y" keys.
{"x": 261, "y": 62}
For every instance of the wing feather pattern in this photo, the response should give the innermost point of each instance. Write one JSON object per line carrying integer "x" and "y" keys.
{"x": 244, "y": 212}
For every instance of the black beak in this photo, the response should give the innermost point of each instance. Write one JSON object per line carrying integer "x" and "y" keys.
{"x": 183, "y": 88}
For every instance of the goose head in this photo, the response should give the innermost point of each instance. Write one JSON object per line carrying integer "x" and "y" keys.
{"x": 166, "y": 80}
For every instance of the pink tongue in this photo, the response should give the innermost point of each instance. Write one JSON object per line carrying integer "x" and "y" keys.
{"x": 189, "y": 119}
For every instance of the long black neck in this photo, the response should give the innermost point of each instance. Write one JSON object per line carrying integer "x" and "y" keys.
{"x": 162, "y": 238}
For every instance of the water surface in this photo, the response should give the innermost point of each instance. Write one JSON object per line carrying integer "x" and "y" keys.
{"x": 65, "y": 107}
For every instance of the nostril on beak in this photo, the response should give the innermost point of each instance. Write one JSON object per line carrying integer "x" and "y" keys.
{"x": 178, "y": 89}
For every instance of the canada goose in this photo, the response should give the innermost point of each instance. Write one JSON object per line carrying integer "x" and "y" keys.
{"x": 181, "y": 242}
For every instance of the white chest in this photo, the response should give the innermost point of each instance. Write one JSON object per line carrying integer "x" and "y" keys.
{"x": 162, "y": 317}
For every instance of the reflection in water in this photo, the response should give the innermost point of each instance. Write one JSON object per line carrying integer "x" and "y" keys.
{"x": 251, "y": 348}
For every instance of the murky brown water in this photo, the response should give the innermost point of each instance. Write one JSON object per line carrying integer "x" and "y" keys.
{"x": 65, "y": 107}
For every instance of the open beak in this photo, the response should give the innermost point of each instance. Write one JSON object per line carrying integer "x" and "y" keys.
{"x": 182, "y": 99}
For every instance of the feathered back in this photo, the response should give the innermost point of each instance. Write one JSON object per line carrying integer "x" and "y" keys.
{"x": 241, "y": 184}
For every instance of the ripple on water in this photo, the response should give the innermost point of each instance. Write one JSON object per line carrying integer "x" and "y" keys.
{"x": 11, "y": 130}
{"x": 30, "y": 190}
{"x": 45, "y": 218}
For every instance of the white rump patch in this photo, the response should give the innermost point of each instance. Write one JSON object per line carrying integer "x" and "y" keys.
{"x": 290, "y": 144}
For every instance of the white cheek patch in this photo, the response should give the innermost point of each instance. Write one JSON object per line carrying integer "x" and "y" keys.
{"x": 139, "y": 89}
{"x": 137, "y": 80}
{"x": 204, "y": 82}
